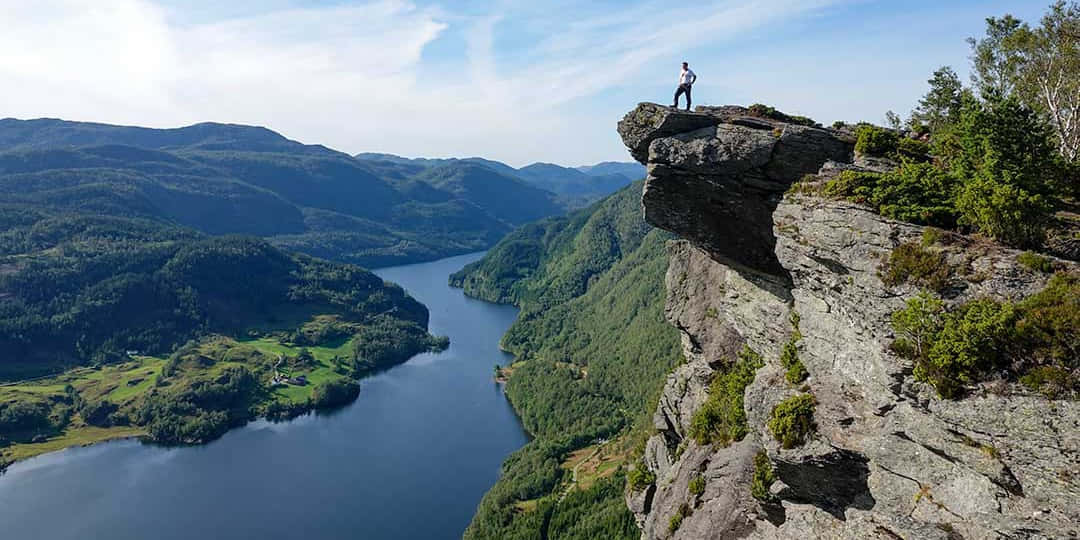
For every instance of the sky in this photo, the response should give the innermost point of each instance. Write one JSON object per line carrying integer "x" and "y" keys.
{"x": 515, "y": 80}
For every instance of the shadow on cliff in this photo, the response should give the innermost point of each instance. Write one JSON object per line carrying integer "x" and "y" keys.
{"x": 833, "y": 482}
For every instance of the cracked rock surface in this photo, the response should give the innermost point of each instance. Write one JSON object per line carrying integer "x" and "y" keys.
{"x": 888, "y": 459}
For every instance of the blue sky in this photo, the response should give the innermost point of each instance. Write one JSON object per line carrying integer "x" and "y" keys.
{"x": 519, "y": 81}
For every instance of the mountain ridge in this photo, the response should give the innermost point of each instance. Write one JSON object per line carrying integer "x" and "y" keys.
{"x": 235, "y": 179}
{"x": 580, "y": 186}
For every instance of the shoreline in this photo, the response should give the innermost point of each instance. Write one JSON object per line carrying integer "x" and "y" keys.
{"x": 8, "y": 457}
{"x": 86, "y": 435}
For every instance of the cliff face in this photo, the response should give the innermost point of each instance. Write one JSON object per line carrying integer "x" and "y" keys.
{"x": 888, "y": 458}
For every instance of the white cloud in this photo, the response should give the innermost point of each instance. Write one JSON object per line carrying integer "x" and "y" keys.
{"x": 355, "y": 77}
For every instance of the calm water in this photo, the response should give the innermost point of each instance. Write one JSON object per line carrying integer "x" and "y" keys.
{"x": 409, "y": 459}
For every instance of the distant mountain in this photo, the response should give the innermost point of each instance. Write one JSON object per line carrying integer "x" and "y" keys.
{"x": 577, "y": 187}
{"x": 630, "y": 169}
{"x": 496, "y": 166}
{"x": 506, "y": 197}
{"x": 572, "y": 182}
{"x": 47, "y": 133}
{"x": 226, "y": 179}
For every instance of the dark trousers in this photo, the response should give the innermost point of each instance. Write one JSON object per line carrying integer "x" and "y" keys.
{"x": 683, "y": 89}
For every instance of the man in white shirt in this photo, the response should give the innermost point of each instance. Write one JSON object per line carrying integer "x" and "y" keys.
{"x": 687, "y": 78}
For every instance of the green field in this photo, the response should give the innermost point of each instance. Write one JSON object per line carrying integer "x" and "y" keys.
{"x": 128, "y": 383}
{"x": 323, "y": 372}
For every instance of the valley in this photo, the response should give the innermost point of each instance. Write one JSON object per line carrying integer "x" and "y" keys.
{"x": 161, "y": 283}
{"x": 378, "y": 457}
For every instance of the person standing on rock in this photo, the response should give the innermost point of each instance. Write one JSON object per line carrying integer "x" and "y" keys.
{"x": 687, "y": 78}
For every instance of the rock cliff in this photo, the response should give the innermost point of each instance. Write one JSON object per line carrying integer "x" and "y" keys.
{"x": 755, "y": 266}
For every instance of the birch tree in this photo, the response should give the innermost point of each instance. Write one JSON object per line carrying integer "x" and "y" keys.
{"x": 1040, "y": 65}
{"x": 1050, "y": 78}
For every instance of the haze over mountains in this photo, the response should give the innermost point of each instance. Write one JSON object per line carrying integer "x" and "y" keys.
{"x": 576, "y": 186}
{"x": 373, "y": 209}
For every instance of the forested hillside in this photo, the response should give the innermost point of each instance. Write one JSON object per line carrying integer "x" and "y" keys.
{"x": 592, "y": 350}
{"x": 228, "y": 179}
{"x": 151, "y": 329}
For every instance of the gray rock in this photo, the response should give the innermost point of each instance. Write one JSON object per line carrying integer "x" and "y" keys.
{"x": 718, "y": 179}
{"x": 888, "y": 459}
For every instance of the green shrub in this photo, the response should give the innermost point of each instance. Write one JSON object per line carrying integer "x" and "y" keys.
{"x": 953, "y": 348}
{"x": 917, "y": 326}
{"x": 855, "y": 186}
{"x": 789, "y": 358}
{"x": 931, "y": 236}
{"x": 1037, "y": 336}
{"x": 640, "y": 477}
{"x": 1034, "y": 261}
{"x": 722, "y": 418}
{"x": 917, "y": 193}
{"x": 1005, "y": 212}
{"x": 697, "y": 485}
{"x": 910, "y": 262}
{"x": 763, "y": 478}
{"x": 765, "y": 111}
{"x": 1050, "y": 322}
{"x": 974, "y": 340}
{"x": 792, "y": 420}
{"x": 676, "y": 520}
{"x": 1051, "y": 381}
{"x": 871, "y": 140}
{"x": 912, "y": 149}
{"x": 914, "y": 192}
{"x": 994, "y": 170}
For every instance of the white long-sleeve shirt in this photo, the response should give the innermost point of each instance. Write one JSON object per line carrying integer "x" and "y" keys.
{"x": 687, "y": 77}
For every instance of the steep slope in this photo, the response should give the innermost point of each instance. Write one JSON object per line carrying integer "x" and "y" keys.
{"x": 797, "y": 415}
{"x": 224, "y": 179}
{"x": 591, "y": 350}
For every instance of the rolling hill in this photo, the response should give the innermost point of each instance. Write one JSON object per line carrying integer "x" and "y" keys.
{"x": 230, "y": 179}
{"x": 576, "y": 187}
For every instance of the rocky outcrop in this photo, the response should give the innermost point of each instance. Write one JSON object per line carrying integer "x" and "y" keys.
{"x": 720, "y": 178}
{"x": 888, "y": 459}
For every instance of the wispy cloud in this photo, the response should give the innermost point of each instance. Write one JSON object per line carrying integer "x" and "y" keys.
{"x": 501, "y": 79}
